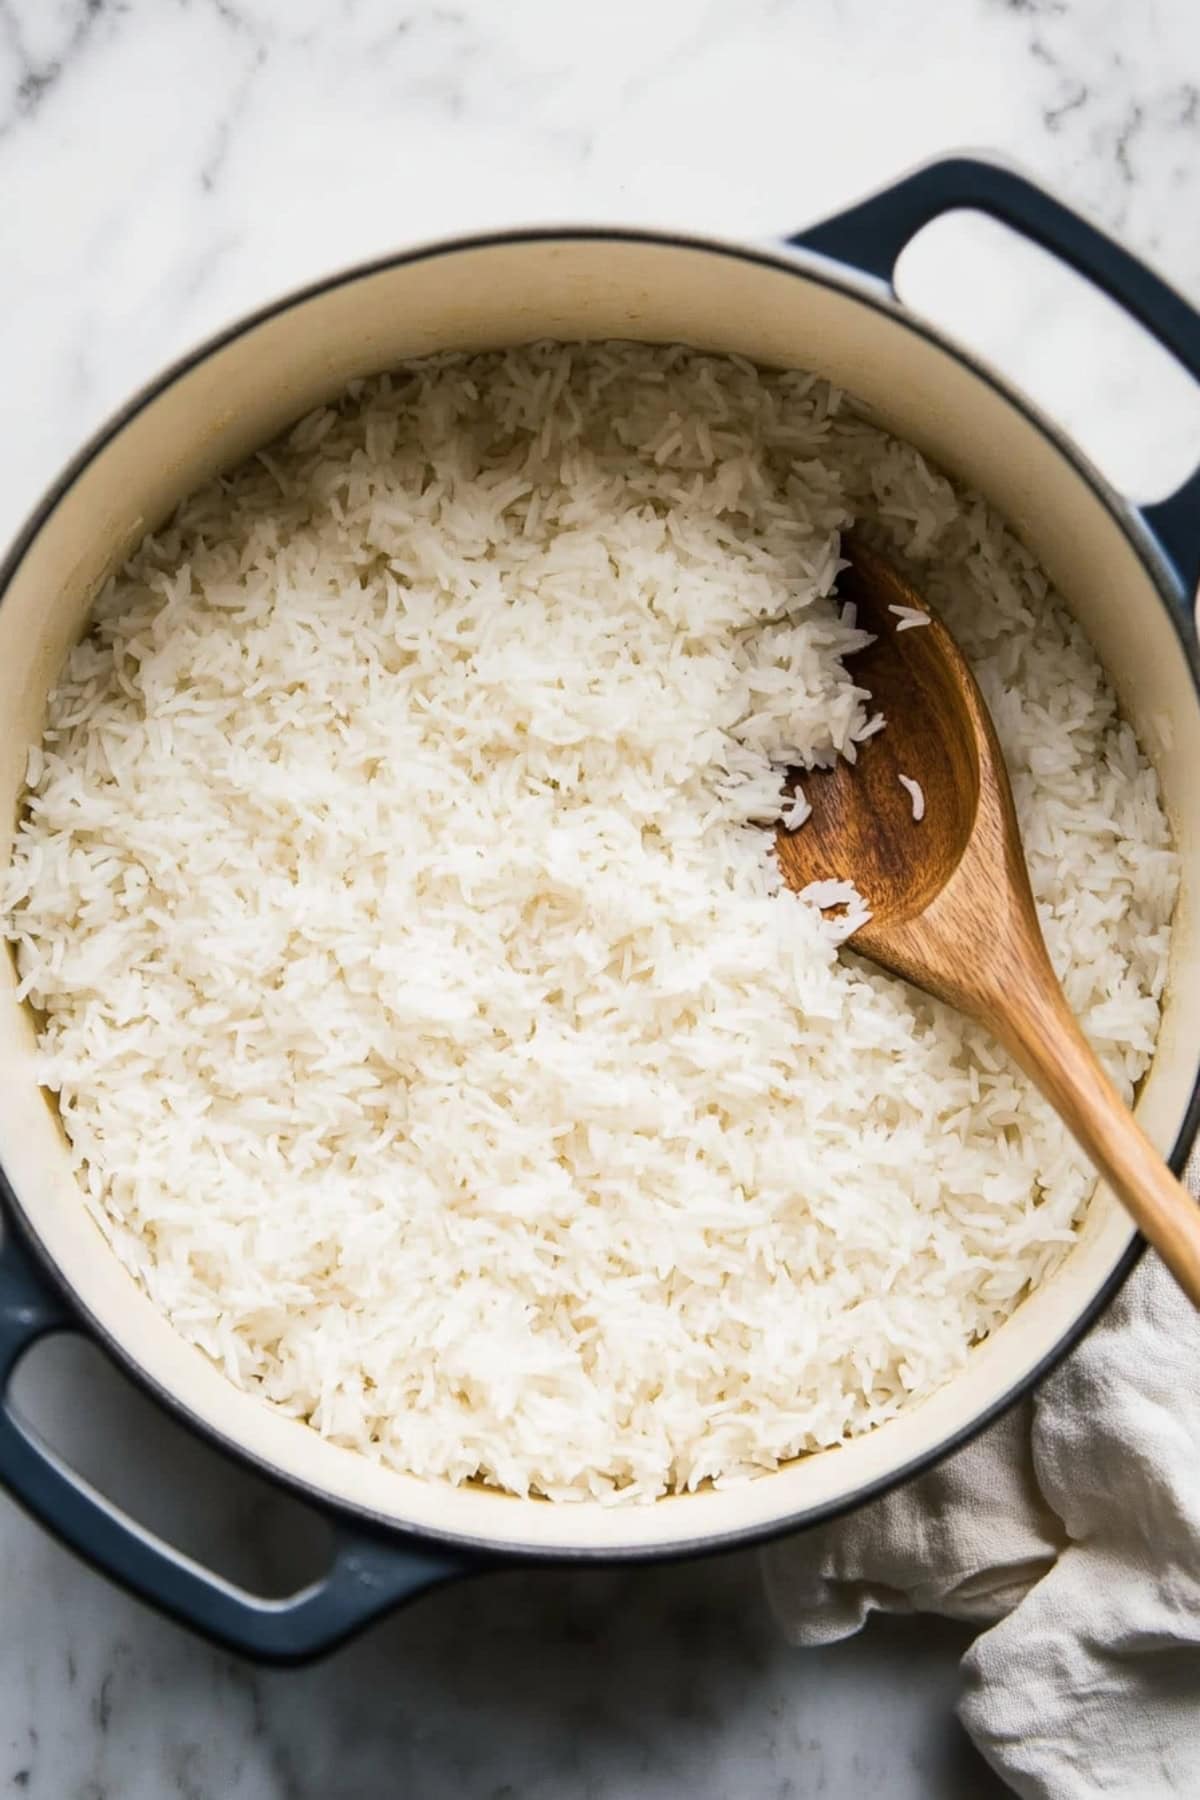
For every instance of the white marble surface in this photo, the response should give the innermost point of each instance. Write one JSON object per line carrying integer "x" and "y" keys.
{"x": 167, "y": 163}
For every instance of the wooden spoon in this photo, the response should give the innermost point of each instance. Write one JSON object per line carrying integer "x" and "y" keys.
{"x": 951, "y": 907}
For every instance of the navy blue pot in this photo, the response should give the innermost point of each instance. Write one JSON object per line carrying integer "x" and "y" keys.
{"x": 823, "y": 300}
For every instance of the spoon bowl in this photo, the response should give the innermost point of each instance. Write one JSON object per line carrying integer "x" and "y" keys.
{"x": 862, "y": 826}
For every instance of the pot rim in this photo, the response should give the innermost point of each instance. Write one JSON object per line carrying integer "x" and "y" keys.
{"x": 863, "y": 289}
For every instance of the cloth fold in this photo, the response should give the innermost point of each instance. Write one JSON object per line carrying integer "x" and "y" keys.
{"x": 1070, "y": 1532}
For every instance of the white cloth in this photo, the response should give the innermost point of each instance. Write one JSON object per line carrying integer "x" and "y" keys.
{"x": 1070, "y": 1532}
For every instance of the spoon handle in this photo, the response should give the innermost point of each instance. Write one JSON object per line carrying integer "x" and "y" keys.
{"x": 1045, "y": 1038}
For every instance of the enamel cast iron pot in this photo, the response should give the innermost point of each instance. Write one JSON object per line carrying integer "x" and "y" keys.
{"x": 822, "y": 301}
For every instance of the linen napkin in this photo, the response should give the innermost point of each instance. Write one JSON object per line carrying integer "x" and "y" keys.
{"x": 1070, "y": 1533}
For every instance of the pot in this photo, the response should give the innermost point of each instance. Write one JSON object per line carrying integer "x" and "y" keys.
{"x": 823, "y": 300}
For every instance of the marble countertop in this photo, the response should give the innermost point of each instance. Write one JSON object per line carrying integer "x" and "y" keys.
{"x": 165, "y": 164}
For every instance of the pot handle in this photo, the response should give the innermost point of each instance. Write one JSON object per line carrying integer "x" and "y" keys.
{"x": 871, "y": 235}
{"x": 370, "y": 1573}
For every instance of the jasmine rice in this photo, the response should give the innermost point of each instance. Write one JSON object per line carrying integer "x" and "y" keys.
{"x": 433, "y": 1037}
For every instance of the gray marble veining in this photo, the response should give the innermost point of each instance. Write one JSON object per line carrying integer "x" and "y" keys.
{"x": 165, "y": 164}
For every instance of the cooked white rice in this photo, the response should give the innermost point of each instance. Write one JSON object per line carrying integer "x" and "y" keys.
{"x": 907, "y": 617}
{"x": 916, "y": 794}
{"x": 842, "y": 901}
{"x": 433, "y": 1037}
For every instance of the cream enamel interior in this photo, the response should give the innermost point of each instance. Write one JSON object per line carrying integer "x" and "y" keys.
{"x": 506, "y": 292}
